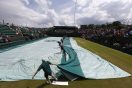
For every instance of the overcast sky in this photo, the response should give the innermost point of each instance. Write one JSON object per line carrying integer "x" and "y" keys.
{"x": 39, "y": 13}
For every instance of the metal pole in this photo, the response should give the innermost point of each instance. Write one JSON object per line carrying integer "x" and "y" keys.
{"x": 75, "y": 13}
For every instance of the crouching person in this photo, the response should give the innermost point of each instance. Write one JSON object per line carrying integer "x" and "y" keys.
{"x": 47, "y": 70}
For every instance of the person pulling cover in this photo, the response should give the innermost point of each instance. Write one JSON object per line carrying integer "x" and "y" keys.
{"x": 47, "y": 70}
{"x": 62, "y": 49}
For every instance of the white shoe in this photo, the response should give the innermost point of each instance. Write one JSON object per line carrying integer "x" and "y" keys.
{"x": 48, "y": 82}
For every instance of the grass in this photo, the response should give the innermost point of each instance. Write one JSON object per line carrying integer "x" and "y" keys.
{"x": 122, "y": 60}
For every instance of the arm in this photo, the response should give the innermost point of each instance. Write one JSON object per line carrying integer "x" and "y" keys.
{"x": 36, "y": 72}
{"x": 51, "y": 63}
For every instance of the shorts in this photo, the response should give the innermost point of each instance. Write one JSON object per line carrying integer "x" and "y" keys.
{"x": 47, "y": 74}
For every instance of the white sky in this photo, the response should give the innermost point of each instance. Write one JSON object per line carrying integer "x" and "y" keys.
{"x": 41, "y": 13}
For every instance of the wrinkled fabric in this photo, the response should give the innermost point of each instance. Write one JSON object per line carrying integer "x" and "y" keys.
{"x": 86, "y": 64}
{"x": 22, "y": 62}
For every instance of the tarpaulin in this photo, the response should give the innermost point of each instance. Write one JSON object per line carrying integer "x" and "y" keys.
{"x": 86, "y": 64}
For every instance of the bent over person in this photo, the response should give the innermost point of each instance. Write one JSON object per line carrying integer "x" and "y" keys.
{"x": 62, "y": 49}
{"x": 47, "y": 70}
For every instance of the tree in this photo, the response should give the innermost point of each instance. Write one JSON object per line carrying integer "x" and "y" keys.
{"x": 91, "y": 26}
{"x": 117, "y": 24}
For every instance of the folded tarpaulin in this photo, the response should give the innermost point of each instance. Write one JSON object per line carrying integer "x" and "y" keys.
{"x": 83, "y": 63}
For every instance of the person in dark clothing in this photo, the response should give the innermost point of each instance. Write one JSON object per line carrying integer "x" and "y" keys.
{"x": 47, "y": 70}
{"x": 62, "y": 41}
{"x": 62, "y": 49}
